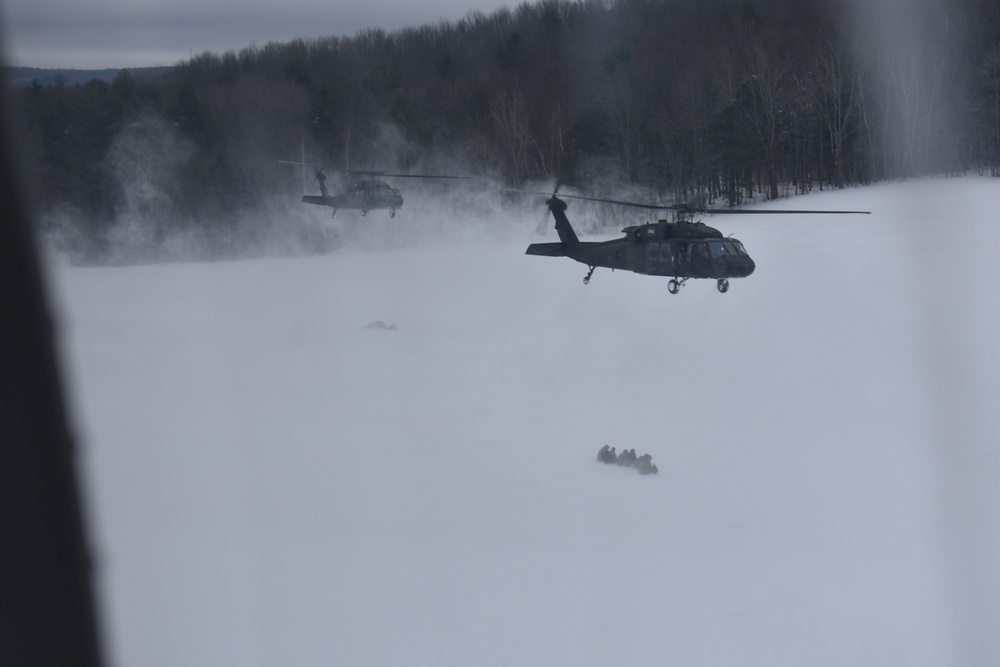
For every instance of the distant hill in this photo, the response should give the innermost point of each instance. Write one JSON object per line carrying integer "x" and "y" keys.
{"x": 22, "y": 76}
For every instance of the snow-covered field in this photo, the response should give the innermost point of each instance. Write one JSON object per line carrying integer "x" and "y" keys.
{"x": 272, "y": 482}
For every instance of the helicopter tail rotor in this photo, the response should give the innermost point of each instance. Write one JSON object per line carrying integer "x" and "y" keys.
{"x": 544, "y": 222}
{"x": 555, "y": 207}
{"x": 321, "y": 177}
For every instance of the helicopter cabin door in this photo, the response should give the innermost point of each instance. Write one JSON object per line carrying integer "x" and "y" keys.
{"x": 670, "y": 259}
{"x": 718, "y": 252}
{"x": 701, "y": 262}
{"x": 662, "y": 259}
{"x": 652, "y": 258}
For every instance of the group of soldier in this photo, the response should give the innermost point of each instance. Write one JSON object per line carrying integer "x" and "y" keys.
{"x": 644, "y": 464}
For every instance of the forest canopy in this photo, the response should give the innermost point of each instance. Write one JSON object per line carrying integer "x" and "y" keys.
{"x": 723, "y": 99}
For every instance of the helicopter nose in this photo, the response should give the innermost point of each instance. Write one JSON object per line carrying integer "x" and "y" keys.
{"x": 740, "y": 267}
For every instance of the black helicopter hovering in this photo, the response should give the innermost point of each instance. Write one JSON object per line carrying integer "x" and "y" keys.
{"x": 365, "y": 195}
{"x": 681, "y": 248}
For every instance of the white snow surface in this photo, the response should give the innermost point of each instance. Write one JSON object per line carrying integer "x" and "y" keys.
{"x": 270, "y": 481}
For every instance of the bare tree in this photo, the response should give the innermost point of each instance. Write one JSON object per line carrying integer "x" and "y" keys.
{"x": 838, "y": 92}
{"x": 511, "y": 121}
{"x": 766, "y": 76}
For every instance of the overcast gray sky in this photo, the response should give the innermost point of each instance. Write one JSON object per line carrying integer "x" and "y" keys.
{"x": 136, "y": 33}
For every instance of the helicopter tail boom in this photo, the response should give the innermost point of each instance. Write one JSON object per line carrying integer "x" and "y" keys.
{"x": 314, "y": 199}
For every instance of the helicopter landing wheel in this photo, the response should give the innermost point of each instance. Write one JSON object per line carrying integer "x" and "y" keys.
{"x": 392, "y": 213}
{"x": 364, "y": 212}
{"x": 723, "y": 285}
{"x": 673, "y": 286}
{"x": 586, "y": 279}
{"x": 334, "y": 214}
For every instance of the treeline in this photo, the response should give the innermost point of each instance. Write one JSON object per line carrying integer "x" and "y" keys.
{"x": 686, "y": 98}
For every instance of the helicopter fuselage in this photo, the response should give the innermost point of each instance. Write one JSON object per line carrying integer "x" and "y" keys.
{"x": 680, "y": 250}
{"x": 362, "y": 195}
{"x": 371, "y": 195}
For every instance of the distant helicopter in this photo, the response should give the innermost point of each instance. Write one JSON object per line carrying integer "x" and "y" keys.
{"x": 365, "y": 195}
{"x": 682, "y": 249}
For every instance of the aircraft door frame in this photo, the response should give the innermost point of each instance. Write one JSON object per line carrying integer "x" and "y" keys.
{"x": 669, "y": 257}
{"x": 652, "y": 257}
{"x": 701, "y": 259}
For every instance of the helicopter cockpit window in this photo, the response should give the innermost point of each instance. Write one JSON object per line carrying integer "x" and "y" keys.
{"x": 699, "y": 250}
{"x": 737, "y": 246}
{"x": 717, "y": 249}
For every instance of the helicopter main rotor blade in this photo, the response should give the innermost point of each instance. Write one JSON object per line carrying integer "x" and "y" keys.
{"x": 763, "y": 211}
{"x": 686, "y": 208}
{"x": 385, "y": 173}
{"x": 369, "y": 172}
{"x": 301, "y": 164}
{"x": 623, "y": 203}
{"x": 555, "y": 193}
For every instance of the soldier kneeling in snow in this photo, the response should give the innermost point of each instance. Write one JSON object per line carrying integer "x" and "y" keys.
{"x": 627, "y": 457}
{"x": 607, "y": 455}
{"x": 644, "y": 464}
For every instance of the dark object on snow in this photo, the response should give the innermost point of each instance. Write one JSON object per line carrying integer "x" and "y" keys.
{"x": 644, "y": 464}
{"x": 607, "y": 455}
{"x": 627, "y": 457}
{"x": 379, "y": 324}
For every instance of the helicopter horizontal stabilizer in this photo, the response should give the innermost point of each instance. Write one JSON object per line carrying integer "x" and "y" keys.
{"x": 547, "y": 249}
{"x": 314, "y": 199}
